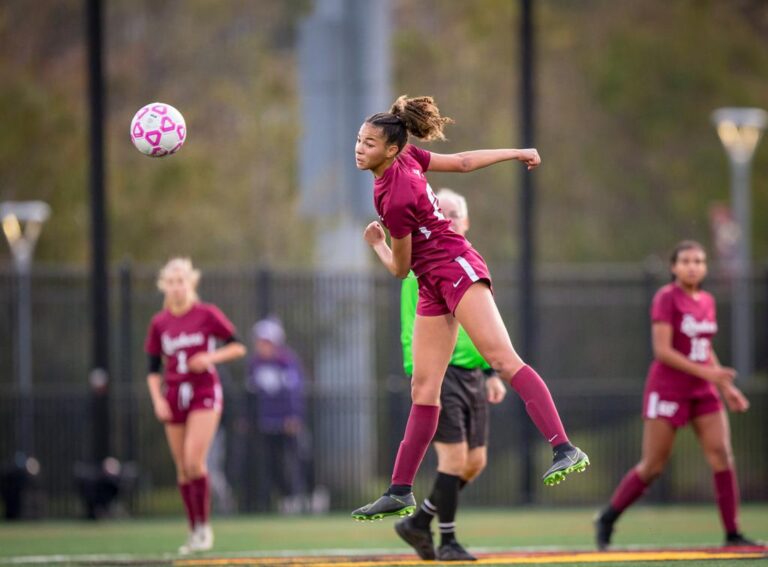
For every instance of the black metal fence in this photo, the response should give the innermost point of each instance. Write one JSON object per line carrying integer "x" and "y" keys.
{"x": 593, "y": 351}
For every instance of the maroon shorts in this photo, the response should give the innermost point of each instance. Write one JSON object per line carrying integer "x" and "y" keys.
{"x": 441, "y": 288}
{"x": 678, "y": 408}
{"x": 186, "y": 397}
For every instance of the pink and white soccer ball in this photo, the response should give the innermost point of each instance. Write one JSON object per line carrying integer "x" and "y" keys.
{"x": 158, "y": 130}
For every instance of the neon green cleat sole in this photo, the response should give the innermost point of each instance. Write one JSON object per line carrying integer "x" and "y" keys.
{"x": 556, "y": 476}
{"x": 407, "y": 511}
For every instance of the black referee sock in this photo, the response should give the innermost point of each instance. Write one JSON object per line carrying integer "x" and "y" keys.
{"x": 445, "y": 497}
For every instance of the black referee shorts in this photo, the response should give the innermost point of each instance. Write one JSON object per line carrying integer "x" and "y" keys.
{"x": 464, "y": 413}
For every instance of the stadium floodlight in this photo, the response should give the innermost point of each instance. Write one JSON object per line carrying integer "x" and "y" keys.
{"x": 740, "y": 130}
{"x": 22, "y": 223}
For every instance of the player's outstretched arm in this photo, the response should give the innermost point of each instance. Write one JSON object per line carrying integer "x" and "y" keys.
{"x": 464, "y": 162}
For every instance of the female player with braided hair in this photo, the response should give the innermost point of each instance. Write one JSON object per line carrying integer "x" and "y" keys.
{"x": 454, "y": 287}
{"x": 187, "y": 396}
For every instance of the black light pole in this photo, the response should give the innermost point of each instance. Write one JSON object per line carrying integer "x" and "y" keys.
{"x": 527, "y": 298}
{"x": 99, "y": 375}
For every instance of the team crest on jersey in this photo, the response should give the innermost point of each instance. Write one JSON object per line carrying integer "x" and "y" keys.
{"x": 172, "y": 344}
{"x": 691, "y": 327}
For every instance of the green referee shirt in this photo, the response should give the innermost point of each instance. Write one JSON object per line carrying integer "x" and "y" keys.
{"x": 465, "y": 354}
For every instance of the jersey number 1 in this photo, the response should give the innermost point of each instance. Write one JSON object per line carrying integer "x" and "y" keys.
{"x": 181, "y": 362}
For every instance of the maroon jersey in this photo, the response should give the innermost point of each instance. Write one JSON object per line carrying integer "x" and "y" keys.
{"x": 179, "y": 338}
{"x": 407, "y": 205}
{"x": 694, "y": 323}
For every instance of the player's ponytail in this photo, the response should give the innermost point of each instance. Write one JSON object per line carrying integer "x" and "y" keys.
{"x": 417, "y": 116}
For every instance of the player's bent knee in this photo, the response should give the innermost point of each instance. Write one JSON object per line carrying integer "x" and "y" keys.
{"x": 194, "y": 470}
{"x": 424, "y": 392}
{"x": 507, "y": 367}
{"x": 720, "y": 458}
{"x": 649, "y": 472}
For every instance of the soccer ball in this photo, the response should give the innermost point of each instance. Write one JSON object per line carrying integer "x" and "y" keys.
{"x": 158, "y": 130}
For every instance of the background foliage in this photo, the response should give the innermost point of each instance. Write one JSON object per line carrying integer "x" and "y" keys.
{"x": 631, "y": 160}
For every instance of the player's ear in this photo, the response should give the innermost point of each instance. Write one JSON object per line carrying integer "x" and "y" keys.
{"x": 391, "y": 151}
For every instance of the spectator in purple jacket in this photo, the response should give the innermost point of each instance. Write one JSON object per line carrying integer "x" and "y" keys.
{"x": 276, "y": 379}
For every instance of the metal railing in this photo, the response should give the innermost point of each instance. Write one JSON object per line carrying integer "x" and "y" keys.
{"x": 593, "y": 351}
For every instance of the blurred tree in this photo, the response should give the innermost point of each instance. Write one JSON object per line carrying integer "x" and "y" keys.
{"x": 631, "y": 161}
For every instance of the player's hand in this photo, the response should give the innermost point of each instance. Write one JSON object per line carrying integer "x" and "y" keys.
{"x": 162, "y": 409}
{"x": 735, "y": 398}
{"x": 495, "y": 389}
{"x": 374, "y": 234}
{"x": 530, "y": 157}
{"x": 199, "y": 362}
{"x": 719, "y": 375}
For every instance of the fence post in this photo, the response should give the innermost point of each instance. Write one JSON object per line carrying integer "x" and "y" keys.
{"x": 264, "y": 292}
{"x": 128, "y": 405}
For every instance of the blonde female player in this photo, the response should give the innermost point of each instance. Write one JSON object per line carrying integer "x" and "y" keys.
{"x": 187, "y": 395}
{"x": 454, "y": 288}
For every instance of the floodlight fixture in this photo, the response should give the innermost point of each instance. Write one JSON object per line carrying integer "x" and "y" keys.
{"x": 740, "y": 130}
{"x": 22, "y": 223}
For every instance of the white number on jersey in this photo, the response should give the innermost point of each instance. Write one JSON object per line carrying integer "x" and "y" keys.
{"x": 181, "y": 362}
{"x": 435, "y": 203}
{"x": 699, "y": 350}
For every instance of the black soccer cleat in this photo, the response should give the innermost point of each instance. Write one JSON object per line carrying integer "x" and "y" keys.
{"x": 737, "y": 539}
{"x": 603, "y": 530}
{"x": 565, "y": 461}
{"x": 420, "y": 539}
{"x": 454, "y": 552}
{"x": 387, "y": 505}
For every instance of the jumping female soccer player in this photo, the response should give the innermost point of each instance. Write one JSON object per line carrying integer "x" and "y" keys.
{"x": 454, "y": 287}
{"x": 187, "y": 397}
{"x": 682, "y": 387}
{"x": 462, "y": 431}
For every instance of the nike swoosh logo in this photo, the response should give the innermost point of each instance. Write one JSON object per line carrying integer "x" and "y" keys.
{"x": 457, "y": 282}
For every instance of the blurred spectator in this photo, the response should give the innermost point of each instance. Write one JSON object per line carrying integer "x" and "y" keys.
{"x": 276, "y": 381}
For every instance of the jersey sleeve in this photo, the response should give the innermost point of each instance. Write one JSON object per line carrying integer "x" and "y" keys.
{"x": 422, "y": 157}
{"x": 152, "y": 345}
{"x": 219, "y": 326}
{"x": 409, "y": 297}
{"x": 662, "y": 308}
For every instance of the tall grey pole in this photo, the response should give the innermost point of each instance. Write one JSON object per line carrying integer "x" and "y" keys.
{"x": 740, "y": 130}
{"x": 742, "y": 342}
{"x": 344, "y": 56}
{"x": 22, "y": 222}
{"x": 25, "y": 441}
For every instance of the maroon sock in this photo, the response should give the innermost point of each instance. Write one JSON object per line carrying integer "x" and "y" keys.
{"x": 201, "y": 495}
{"x": 421, "y": 427}
{"x": 186, "y": 495}
{"x": 630, "y": 489}
{"x": 727, "y": 492}
{"x": 539, "y": 405}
